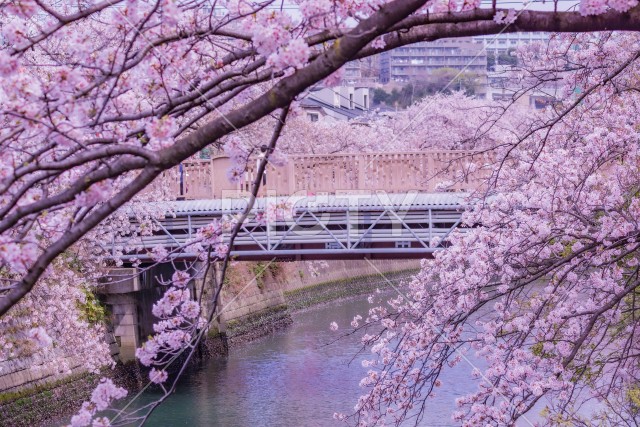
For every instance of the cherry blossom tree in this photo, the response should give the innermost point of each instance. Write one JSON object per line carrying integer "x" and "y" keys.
{"x": 431, "y": 123}
{"x": 545, "y": 290}
{"x": 99, "y": 98}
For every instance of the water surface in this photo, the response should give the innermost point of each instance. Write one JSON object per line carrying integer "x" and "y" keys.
{"x": 298, "y": 376}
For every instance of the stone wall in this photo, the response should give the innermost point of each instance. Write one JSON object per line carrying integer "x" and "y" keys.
{"x": 124, "y": 323}
{"x": 52, "y": 403}
{"x": 301, "y": 298}
{"x": 250, "y": 288}
{"x": 302, "y": 274}
{"x": 26, "y": 372}
{"x": 39, "y": 405}
{"x": 120, "y": 294}
{"x": 257, "y": 289}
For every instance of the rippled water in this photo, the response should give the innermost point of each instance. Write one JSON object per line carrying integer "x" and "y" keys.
{"x": 298, "y": 376}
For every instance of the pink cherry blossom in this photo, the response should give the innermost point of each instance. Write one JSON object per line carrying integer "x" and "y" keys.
{"x": 40, "y": 337}
{"x": 180, "y": 278}
{"x": 105, "y": 393}
{"x": 190, "y": 309}
{"x": 505, "y": 18}
{"x": 622, "y": 5}
{"x": 158, "y": 377}
{"x": 294, "y": 54}
{"x": 160, "y": 132}
{"x": 159, "y": 253}
{"x": 593, "y": 7}
{"x": 95, "y": 194}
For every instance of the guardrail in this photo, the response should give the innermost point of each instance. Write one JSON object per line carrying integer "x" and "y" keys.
{"x": 313, "y": 174}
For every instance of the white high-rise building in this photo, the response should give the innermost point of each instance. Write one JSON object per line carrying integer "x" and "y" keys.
{"x": 500, "y": 44}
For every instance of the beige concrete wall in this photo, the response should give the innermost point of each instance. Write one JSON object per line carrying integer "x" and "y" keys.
{"x": 24, "y": 372}
{"x": 308, "y": 273}
{"x": 124, "y": 320}
{"x": 252, "y": 287}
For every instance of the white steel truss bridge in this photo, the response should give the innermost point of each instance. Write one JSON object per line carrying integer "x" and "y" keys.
{"x": 349, "y": 226}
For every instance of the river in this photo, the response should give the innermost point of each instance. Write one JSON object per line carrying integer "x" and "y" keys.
{"x": 298, "y": 376}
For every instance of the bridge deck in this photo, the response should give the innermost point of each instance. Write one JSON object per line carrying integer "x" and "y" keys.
{"x": 350, "y": 226}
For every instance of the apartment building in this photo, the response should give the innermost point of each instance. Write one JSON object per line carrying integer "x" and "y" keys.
{"x": 413, "y": 62}
{"x": 501, "y": 44}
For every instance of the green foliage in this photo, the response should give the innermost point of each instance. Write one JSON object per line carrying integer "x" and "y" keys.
{"x": 442, "y": 80}
{"x": 214, "y": 333}
{"x": 567, "y": 248}
{"x": 380, "y": 96}
{"x": 538, "y": 350}
{"x": 633, "y": 394}
{"x": 507, "y": 58}
{"x": 72, "y": 262}
{"x": 92, "y": 310}
{"x": 258, "y": 270}
{"x": 275, "y": 268}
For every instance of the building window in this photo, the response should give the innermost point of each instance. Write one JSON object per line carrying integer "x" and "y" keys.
{"x": 313, "y": 117}
{"x": 403, "y": 244}
{"x": 351, "y": 101}
{"x": 366, "y": 102}
{"x": 332, "y": 245}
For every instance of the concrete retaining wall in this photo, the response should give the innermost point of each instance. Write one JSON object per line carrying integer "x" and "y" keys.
{"x": 304, "y": 274}
{"x": 25, "y": 372}
{"x": 252, "y": 287}
{"x": 38, "y": 405}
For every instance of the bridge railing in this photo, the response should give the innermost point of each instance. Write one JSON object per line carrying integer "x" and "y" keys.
{"x": 388, "y": 172}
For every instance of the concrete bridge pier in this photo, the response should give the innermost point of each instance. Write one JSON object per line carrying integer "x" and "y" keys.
{"x": 207, "y": 285}
{"x": 119, "y": 294}
{"x": 130, "y": 294}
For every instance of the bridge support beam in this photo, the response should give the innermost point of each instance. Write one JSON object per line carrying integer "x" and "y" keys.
{"x": 119, "y": 294}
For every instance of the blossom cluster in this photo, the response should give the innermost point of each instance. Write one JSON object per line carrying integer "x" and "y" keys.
{"x": 101, "y": 398}
{"x": 178, "y": 313}
{"x": 598, "y": 7}
{"x": 98, "y": 192}
{"x": 18, "y": 256}
{"x": 542, "y": 292}
{"x": 160, "y": 132}
{"x": 505, "y": 18}
{"x": 32, "y": 329}
{"x": 178, "y": 320}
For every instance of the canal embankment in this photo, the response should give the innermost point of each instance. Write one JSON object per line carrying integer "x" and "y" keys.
{"x": 258, "y": 299}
